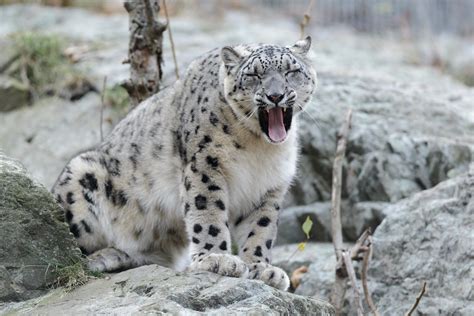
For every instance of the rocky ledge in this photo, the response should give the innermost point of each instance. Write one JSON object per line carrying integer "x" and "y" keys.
{"x": 156, "y": 290}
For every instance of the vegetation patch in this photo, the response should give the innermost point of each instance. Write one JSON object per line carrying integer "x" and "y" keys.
{"x": 41, "y": 64}
{"x": 118, "y": 99}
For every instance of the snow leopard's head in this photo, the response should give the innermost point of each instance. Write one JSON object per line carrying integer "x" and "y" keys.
{"x": 267, "y": 85}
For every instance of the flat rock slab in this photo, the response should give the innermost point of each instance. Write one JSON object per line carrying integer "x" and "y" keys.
{"x": 154, "y": 290}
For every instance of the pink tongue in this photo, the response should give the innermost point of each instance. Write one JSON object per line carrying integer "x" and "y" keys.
{"x": 276, "y": 128}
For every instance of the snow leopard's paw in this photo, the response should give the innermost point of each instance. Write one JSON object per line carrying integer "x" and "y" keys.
{"x": 269, "y": 274}
{"x": 223, "y": 264}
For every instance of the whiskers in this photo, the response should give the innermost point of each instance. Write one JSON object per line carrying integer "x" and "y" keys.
{"x": 309, "y": 115}
{"x": 248, "y": 116}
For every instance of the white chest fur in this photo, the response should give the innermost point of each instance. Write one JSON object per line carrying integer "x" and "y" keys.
{"x": 257, "y": 169}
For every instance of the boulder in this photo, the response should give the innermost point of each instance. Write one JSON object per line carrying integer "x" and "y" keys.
{"x": 156, "y": 290}
{"x": 35, "y": 247}
{"x": 393, "y": 151}
{"x": 428, "y": 237}
{"x": 13, "y": 94}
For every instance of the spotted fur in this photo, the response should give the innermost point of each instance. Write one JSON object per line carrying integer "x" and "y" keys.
{"x": 193, "y": 169}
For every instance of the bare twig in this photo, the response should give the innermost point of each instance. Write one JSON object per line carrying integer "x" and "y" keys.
{"x": 306, "y": 17}
{"x": 171, "y": 40}
{"x": 102, "y": 97}
{"x": 359, "y": 245}
{"x": 336, "y": 228}
{"x": 346, "y": 257}
{"x": 418, "y": 298}
{"x": 338, "y": 292}
{"x": 365, "y": 266}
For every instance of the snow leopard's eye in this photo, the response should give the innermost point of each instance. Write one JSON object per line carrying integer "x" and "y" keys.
{"x": 253, "y": 75}
{"x": 293, "y": 71}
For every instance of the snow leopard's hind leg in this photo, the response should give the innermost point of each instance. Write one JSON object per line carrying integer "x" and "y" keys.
{"x": 83, "y": 185}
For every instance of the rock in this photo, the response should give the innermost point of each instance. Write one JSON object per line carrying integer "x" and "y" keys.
{"x": 34, "y": 244}
{"x": 292, "y": 219}
{"x": 428, "y": 237}
{"x": 46, "y": 136}
{"x": 156, "y": 290}
{"x": 357, "y": 218}
{"x": 393, "y": 151}
{"x": 354, "y": 219}
{"x": 318, "y": 257}
{"x": 13, "y": 94}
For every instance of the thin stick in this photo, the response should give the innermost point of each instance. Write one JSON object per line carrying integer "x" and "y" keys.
{"x": 171, "y": 40}
{"x": 363, "y": 276}
{"x": 102, "y": 97}
{"x": 336, "y": 228}
{"x": 339, "y": 289}
{"x": 355, "y": 288}
{"x": 359, "y": 245}
{"x": 306, "y": 17}
{"x": 418, "y": 298}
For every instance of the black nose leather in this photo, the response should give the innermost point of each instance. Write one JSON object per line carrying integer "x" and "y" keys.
{"x": 275, "y": 98}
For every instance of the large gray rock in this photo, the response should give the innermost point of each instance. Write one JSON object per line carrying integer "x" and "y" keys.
{"x": 429, "y": 237}
{"x": 34, "y": 245}
{"x": 156, "y": 290}
{"x": 405, "y": 137}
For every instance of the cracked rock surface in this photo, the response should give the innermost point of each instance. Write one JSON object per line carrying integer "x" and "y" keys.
{"x": 154, "y": 290}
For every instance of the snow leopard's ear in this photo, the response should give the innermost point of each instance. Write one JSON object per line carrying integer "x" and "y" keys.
{"x": 230, "y": 56}
{"x": 302, "y": 46}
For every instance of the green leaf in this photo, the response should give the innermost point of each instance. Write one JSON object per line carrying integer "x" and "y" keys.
{"x": 301, "y": 246}
{"x": 307, "y": 225}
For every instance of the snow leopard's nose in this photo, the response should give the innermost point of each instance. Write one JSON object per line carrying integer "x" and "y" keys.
{"x": 275, "y": 98}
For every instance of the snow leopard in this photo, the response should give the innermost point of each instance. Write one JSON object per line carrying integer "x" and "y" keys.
{"x": 193, "y": 177}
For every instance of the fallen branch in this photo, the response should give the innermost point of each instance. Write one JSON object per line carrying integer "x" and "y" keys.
{"x": 355, "y": 289}
{"x": 418, "y": 298}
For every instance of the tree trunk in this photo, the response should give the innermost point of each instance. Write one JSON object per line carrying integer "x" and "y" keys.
{"x": 144, "y": 49}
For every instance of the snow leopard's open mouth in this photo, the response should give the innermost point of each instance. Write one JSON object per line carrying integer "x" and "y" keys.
{"x": 275, "y": 122}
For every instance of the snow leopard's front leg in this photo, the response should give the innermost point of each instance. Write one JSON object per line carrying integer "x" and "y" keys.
{"x": 256, "y": 235}
{"x": 205, "y": 209}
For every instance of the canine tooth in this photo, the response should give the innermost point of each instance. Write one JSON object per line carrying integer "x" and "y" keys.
{"x": 267, "y": 110}
{"x": 284, "y": 110}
